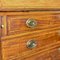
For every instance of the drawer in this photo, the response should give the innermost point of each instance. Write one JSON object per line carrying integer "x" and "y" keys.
{"x": 23, "y": 22}
{"x": 33, "y": 44}
{"x": 22, "y": 45}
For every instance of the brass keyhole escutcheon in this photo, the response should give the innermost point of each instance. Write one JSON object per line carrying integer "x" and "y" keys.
{"x": 31, "y": 44}
{"x": 31, "y": 23}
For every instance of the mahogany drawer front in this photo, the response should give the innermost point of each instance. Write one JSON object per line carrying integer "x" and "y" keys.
{"x": 16, "y": 46}
{"x": 41, "y": 42}
{"x": 31, "y": 21}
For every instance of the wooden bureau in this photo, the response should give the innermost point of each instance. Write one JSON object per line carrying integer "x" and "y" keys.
{"x": 29, "y": 30}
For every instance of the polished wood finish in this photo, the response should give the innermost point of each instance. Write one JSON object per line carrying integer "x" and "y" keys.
{"x": 52, "y": 54}
{"x": 0, "y": 37}
{"x": 29, "y": 30}
{"x": 15, "y": 34}
{"x": 0, "y": 25}
{"x": 16, "y": 5}
{"x": 15, "y": 47}
{"x": 15, "y": 22}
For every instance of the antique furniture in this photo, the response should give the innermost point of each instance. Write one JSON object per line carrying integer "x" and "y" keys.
{"x": 29, "y": 30}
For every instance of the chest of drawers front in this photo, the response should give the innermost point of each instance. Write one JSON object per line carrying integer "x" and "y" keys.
{"x": 30, "y": 35}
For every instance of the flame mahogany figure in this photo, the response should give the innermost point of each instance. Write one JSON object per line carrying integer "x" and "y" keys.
{"x": 29, "y": 30}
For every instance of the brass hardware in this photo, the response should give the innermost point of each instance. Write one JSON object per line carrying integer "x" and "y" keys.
{"x": 31, "y": 23}
{"x": 31, "y": 44}
{"x": 2, "y": 26}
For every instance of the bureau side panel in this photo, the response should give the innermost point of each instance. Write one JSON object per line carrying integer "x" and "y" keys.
{"x": 0, "y": 37}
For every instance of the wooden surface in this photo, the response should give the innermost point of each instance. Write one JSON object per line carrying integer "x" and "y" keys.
{"x": 16, "y": 5}
{"x": 15, "y": 47}
{"x": 0, "y": 38}
{"x": 15, "y": 22}
{"x": 53, "y": 54}
{"x": 15, "y": 35}
{"x": 0, "y": 25}
{"x": 19, "y": 21}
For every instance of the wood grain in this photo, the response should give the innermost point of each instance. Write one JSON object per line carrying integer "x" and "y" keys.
{"x": 4, "y": 23}
{"x": 15, "y": 23}
{"x": 16, "y": 46}
{"x": 0, "y": 38}
{"x": 48, "y": 55}
{"x": 27, "y": 4}
{"x": 16, "y": 34}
